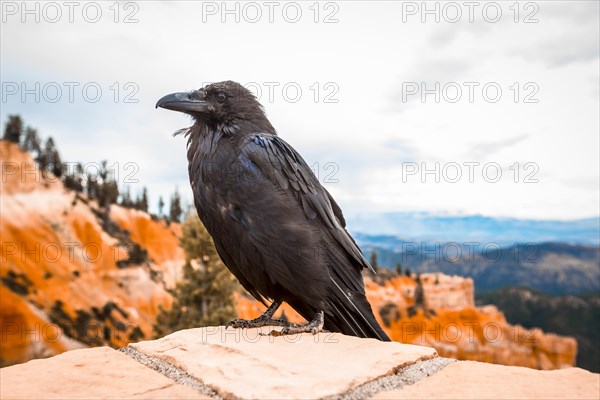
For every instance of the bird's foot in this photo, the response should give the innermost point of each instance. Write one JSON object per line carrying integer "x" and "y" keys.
{"x": 315, "y": 326}
{"x": 258, "y": 322}
{"x": 264, "y": 320}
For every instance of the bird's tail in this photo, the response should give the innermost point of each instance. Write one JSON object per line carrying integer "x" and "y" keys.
{"x": 352, "y": 315}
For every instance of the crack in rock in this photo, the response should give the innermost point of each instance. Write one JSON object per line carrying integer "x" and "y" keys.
{"x": 404, "y": 377}
{"x": 170, "y": 371}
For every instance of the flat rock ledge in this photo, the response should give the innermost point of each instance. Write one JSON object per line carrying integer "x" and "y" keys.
{"x": 214, "y": 363}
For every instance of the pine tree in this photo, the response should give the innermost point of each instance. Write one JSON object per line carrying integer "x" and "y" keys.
{"x": 91, "y": 186}
{"x": 373, "y": 261}
{"x": 78, "y": 174}
{"x": 399, "y": 268}
{"x": 143, "y": 201}
{"x": 204, "y": 296}
{"x": 101, "y": 180}
{"x": 51, "y": 159}
{"x": 126, "y": 200}
{"x": 175, "y": 210}
{"x": 161, "y": 206}
{"x": 74, "y": 179}
{"x": 31, "y": 143}
{"x": 111, "y": 192}
{"x": 41, "y": 159}
{"x": 13, "y": 129}
{"x": 107, "y": 189}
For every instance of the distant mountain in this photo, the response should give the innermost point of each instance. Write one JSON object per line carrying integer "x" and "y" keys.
{"x": 552, "y": 268}
{"x": 504, "y": 231}
{"x": 575, "y": 316}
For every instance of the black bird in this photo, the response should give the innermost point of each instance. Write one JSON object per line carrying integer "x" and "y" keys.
{"x": 274, "y": 226}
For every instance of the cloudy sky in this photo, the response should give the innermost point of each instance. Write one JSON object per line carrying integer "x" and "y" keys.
{"x": 500, "y": 103}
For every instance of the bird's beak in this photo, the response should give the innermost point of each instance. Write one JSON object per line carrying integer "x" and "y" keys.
{"x": 183, "y": 102}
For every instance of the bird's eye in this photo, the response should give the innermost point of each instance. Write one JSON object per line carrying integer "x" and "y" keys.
{"x": 221, "y": 97}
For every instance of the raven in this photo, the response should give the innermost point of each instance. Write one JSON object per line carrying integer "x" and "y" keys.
{"x": 274, "y": 226}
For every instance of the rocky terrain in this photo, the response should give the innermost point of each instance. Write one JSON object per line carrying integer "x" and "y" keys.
{"x": 576, "y": 316}
{"x": 74, "y": 275}
{"x": 449, "y": 321}
{"x": 215, "y": 363}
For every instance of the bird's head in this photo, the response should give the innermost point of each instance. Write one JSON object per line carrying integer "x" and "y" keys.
{"x": 224, "y": 104}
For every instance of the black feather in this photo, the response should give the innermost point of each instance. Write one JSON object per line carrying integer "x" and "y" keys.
{"x": 274, "y": 225}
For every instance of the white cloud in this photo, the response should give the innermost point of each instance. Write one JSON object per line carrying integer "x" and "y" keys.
{"x": 369, "y": 132}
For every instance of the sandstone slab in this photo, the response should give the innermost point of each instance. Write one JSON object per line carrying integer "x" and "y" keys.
{"x": 239, "y": 363}
{"x": 476, "y": 380}
{"x": 98, "y": 373}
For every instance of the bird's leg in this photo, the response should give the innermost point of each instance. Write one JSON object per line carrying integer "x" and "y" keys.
{"x": 264, "y": 320}
{"x": 315, "y": 326}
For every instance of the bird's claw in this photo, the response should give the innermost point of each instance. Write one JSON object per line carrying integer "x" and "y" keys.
{"x": 290, "y": 330}
{"x": 315, "y": 326}
{"x": 238, "y": 323}
{"x": 252, "y": 323}
{"x": 286, "y": 330}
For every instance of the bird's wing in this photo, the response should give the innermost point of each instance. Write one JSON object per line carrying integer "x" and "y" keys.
{"x": 287, "y": 169}
{"x": 336, "y": 209}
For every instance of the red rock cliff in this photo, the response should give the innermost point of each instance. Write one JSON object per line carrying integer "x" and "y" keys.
{"x": 63, "y": 267}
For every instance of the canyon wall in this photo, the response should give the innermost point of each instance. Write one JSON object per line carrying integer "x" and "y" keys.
{"x": 75, "y": 275}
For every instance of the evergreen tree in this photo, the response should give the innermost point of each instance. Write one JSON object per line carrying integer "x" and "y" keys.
{"x": 101, "y": 181}
{"x": 204, "y": 296}
{"x": 175, "y": 209}
{"x": 399, "y": 268}
{"x": 107, "y": 189}
{"x": 373, "y": 261}
{"x": 111, "y": 192}
{"x": 74, "y": 179}
{"x": 51, "y": 159}
{"x": 408, "y": 273}
{"x": 79, "y": 177}
{"x": 31, "y": 143}
{"x": 126, "y": 200}
{"x": 419, "y": 293}
{"x": 161, "y": 206}
{"x": 41, "y": 159}
{"x": 13, "y": 129}
{"x": 142, "y": 203}
{"x": 91, "y": 186}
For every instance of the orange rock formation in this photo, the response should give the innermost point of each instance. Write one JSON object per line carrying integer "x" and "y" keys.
{"x": 62, "y": 267}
